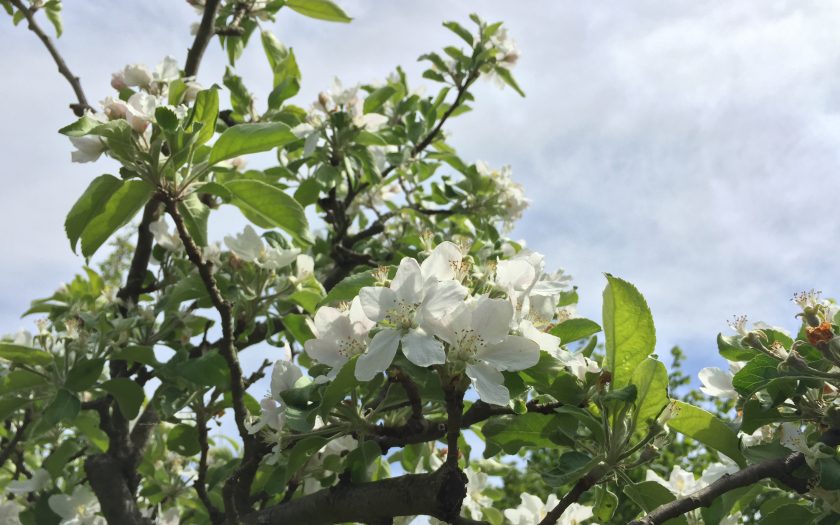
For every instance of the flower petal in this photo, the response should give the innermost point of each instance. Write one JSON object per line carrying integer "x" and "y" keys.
{"x": 513, "y": 353}
{"x": 489, "y": 383}
{"x": 408, "y": 281}
{"x": 441, "y": 298}
{"x": 380, "y": 354}
{"x": 283, "y": 377}
{"x": 440, "y": 264}
{"x": 422, "y": 349}
{"x": 491, "y": 319}
{"x": 324, "y": 351}
{"x": 377, "y": 301}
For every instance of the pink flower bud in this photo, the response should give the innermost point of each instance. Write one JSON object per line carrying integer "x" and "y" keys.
{"x": 118, "y": 81}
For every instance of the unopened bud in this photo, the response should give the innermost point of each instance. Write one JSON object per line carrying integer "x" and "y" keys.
{"x": 794, "y": 361}
{"x": 118, "y": 81}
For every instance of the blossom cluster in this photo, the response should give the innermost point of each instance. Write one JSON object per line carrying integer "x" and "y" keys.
{"x": 429, "y": 314}
{"x": 140, "y": 92}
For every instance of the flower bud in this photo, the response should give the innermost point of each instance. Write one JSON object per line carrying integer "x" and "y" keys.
{"x": 118, "y": 81}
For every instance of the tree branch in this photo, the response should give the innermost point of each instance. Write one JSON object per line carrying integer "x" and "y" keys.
{"x": 202, "y": 38}
{"x": 438, "y": 494}
{"x": 115, "y": 497}
{"x": 10, "y": 444}
{"x": 778, "y": 468}
{"x": 232, "y": 492}
{"x": 582, "y": 485}
{"x": 82, "y": 104}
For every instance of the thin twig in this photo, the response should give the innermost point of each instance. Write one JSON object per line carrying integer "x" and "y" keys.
{"x": 82, "y": 103}
{"x": 202, "y": 38}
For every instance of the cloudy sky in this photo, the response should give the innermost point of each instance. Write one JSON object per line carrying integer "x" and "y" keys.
{"x": 691, "y": 147}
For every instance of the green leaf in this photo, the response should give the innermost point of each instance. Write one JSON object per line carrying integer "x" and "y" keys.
{"x": 89, "y": 205}
{"x": 270, "y": 207}
{"x": 81, "y": 127}
{"x": 195, "y": 214}
{"x": 208, "y": 370}
{"x": 137, "y": 354}
{"x": 570, "y": 467}
{"x": 756, "y": 374}
{"x": 508, "y": 79}
{"x": 284, "y": 67}
{"x": 84, "y": 374}
{"x": 250, "y": 138}
{"x": 729, "y": 346}
{"x": 459, "y": 30}
{"x": 166, "y": 118}
{"x": 787, "y": 514}
{"x": 23, "y": 355}
{"x": 319, "y": 9}
{"x": 377, "y": 98}
{"x": 120, "y": 208}
{"x": 296, "y": 325}
{"x": 707, "y": 429}
{"x": 649, "y": 494}
{"x": 64, "y": 407}
{"x": 572, "y": 330}
{"x": 651, "y": 380}
{"x": 628, "y": 328}
{"x": 349, "y": 287}
{"x": 511, "y": 433}
{"x": 605, "y": 504}
{"x": 53, "y": 11}
{"x": 183, "y": 439}
{"x": 129, "y": 395}
{"x": 338, "y": 388}
{"x": 205, "y": 112}
{"x": 58, "y": 458}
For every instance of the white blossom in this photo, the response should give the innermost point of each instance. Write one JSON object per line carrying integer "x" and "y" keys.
{"x": 140, "y": 110}
{"x": 339, "y": 335}
{"x": 717, "y": 383}
{"x": 168, "y": 241}
{"x": 39, "y": 480}
{"x": 10, "y": 512}
{"x": 78, "y": 508}
{"x": 88, "y": 148}
{"x": 408, "y": 308}
{"x": 532, "y": 510}
{"x": 681, "y": 482}
{"x": 171, "y": 516}
{"x": 249, "y": 247}
{"x": 476, "y": 500}
{"x": 478, "y": 336}
{"x": 133, "y": 75}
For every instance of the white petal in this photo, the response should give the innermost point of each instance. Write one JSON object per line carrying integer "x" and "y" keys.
{"x": 408, "y": 281}
{"x": 361, "y": 323}
{"x": 516, "y": 274}
{"x": 513, "y": 353}
{"x": 325, "y": 352}
{"x": 377, "y": 301}
{"x": 283, "y": 377}
{"x": 423, "y": 349}
{"x": 380, "y": 355}
{"x": 440, "y": 264}
{"x": 491, "y": 319}
{"x": 717, "y": 383}
{"x": 325, "y": 317}
{"x": 489, "y": 383}
{"x": 441, "y": 298}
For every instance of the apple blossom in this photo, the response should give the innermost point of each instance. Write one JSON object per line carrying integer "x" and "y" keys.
{"x": 717, "y": 383}
{"x": 531, "y": 510}
{"x": 79, "y": 508}
{"x": 10, "y": 512}
{"x": 88, "y": 148}
{"x": 477, "y": 333}
{"x": 407, "y": 310}
{"x": 140, "y": 111}
{"x": 39, "y": 480}
{"x": 339, "y": 335}
{"x": 249, "y": 247}
{"x": 680, "y": 482}
{"x": 168, "y": 241}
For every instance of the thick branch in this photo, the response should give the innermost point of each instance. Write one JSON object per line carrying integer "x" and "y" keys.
{"x": 438, "y": 494}
{"x": 82, "y": 103}
{"x": 115, "y": 497}
{"x": 202, "y": 38}
{"x": 10, "y": 445}
{"x": 130, "y": 293}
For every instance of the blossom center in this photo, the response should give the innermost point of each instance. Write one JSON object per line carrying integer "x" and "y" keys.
{"x": 403, "y": 314}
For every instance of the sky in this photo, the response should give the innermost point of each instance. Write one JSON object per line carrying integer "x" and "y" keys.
{"x": 683, "y": 146}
